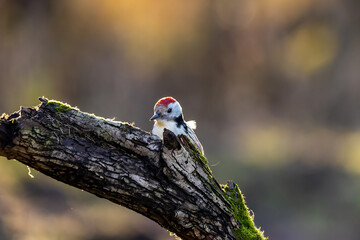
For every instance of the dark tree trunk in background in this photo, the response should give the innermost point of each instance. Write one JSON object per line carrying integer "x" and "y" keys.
{"x": 168, "y": 182}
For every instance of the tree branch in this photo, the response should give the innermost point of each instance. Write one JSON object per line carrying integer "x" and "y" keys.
{"x": 168, "y": 182}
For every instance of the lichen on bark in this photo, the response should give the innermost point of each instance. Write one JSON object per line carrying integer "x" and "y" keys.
{"x": 168, "y": 182}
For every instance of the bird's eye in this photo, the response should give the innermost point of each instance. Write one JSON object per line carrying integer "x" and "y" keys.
{"x": 169, "y": 111}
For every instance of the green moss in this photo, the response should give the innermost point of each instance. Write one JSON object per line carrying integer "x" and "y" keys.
{"x": 241, "y": 213}
{"x": 199, "y": 154}
{"x": 203, "y": 159}
{"x": 60, "y": 106}
{"x": 63, "y": 108}
{"x": 233, "y": 195}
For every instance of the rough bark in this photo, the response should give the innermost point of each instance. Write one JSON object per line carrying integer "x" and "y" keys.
{"x": 168, "y": 182}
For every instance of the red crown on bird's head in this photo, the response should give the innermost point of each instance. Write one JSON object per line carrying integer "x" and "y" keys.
{"x": 165, "y": 101}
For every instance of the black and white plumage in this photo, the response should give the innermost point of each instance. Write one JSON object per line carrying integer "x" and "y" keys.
{"x": 168, "y": 114}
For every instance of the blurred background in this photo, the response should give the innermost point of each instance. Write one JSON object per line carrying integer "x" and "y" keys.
{"x": 273, "y": 84}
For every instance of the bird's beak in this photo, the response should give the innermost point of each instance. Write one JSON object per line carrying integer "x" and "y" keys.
{"x": 156, "y": 115}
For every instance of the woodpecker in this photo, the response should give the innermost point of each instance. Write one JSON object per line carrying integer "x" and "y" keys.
{"x": 168, "y": 114}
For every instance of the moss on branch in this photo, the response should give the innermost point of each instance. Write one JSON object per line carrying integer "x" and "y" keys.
{"x": 60, "y": 106}
{"x": 127, "y": 165}
{"x": 247, "y": 230}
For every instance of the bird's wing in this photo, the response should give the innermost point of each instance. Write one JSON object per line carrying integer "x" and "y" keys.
{"x": 191, "y": 124}
{"x": 195, "y": 140}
